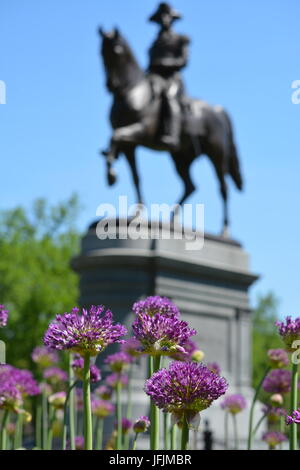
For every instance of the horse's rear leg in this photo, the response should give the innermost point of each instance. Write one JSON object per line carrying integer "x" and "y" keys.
{"x": 221, "y": 171}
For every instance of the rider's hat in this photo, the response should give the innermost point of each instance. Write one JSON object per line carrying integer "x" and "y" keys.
{"x": 164, "y": 9}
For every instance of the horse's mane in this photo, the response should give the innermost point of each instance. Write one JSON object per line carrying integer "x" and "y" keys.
{"x": 122, "y": 70}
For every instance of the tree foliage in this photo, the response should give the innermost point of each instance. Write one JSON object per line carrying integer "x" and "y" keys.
{"x": 36, "y": 280}
{"x": 265, "y": 335}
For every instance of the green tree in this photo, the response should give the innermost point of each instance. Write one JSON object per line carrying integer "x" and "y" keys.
{"x": 36, "y": 281}
{"x": 265, "y": 334}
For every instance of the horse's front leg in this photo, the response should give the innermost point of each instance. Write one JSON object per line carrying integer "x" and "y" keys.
{"x": 130, "y": 155}
{"x": 110, "y": 156}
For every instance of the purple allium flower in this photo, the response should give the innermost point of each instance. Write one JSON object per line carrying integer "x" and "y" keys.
{"x": 57, "y": 400}
{"x": 289, "y": 330}
{"x": 104, "y": 391}
{"x": 54, "y": 375}
{"x": 132, "y": 347}
{"x": 126, "y": 425}
{"x": 113, "y": 379}
{"x": 10, "y": 395}
{"x": 214, "y": 367}
{"x": 278, "y": 358}
{"x": 277, "y": 381}
{"x": 102, "y": 408}
{"x": 273, "y": 438}
{"x": 77, "y": 366}
{"x": 161, "y": 335}
{"x": 79, "y": 443}
{"x": 185, "y": 389}
{"x": 86, "y": 333}
{"x": 15, "y": 384}
{"x": 3, "y": 316}
{"x": 156, "y": 305}
{"x": 294, "y": 417}
{"x": 234, "y": 403}
{"x": 141, "y": 424}
{"x": 44, "y": 357}
{"x": 119, "y": 361}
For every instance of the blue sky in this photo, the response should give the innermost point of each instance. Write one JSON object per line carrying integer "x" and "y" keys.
{"x": 244, "y": 55}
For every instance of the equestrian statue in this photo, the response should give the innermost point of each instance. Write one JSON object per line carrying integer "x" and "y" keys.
{"x": 151, "y": 108}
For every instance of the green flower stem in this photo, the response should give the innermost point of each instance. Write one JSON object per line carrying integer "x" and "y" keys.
{"x": 50, "y": 429}
{"x": 155, "y": 413}
{"x": 226, "y": 419}
{"x": 294, "y": 406}
{"x": 71, "y": 404}
{"x": 3, "y": 436}
{"x": 129, "y": 405}
{"x": 119, "y": 416}
{"x": 134, "y": 442}
{"x": 18, "y": 438}
{"x": 150, "y": 372}
{"x": 38, "y": 423}
{"x": 45, "y": 419}
{"x": 174, "y": 437}
{"x": 65, "y": 430}
{"x": 99, "y": 434}
{"x": 258, "y": 425}
{"x": 185, "y": 434}
{"x": 166, "y": 431}
{"x": 235, "y": 431}
{"x": 250, "y": 434}
{"x": 87, "y": 411}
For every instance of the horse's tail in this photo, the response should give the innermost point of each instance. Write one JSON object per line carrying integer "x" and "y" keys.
{"x": 233, "y": 161}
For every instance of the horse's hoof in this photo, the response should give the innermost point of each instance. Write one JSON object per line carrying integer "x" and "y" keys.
{"x": 105, "y": 153}
{"x": 111, "y": 178}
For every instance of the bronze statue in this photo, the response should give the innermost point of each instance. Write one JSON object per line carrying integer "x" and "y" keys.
{"x": 151, "y": 109}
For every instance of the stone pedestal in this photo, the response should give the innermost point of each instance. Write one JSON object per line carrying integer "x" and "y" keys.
{"x": 210, "y": 286}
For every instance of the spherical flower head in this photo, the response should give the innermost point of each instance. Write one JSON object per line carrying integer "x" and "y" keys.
{"x": 57, "y": 400}
{"x": 156, "y": 305}
{"x": 54, "y": 375}
{"x": 294, "y": 417}
{"x": 77, "y": 366}
{"x": 141, "y": 424}
{"x": 234, "y": 403}
{"x": 112, "y": 380}
{"x": 277, "y": 381}
{"x": 44, "y": 357}
{"x": 126, "y": 425}
{"x": 273, "y": 438}
{"x": 161, "y": 335}
{"x": 132, "y": 347}
{"x": 104, "y": 391}
{"x": 91, "y": 332}
{"x": 185, "y": 389}
{"x": 276, "y": 399}
{"x": 119, "y": 361}
{"x": 278, "y": 358}
{"x": 21, "y": 379}
{"x": 198, "y": 355}
{"x": 3, "y": 316}
{"x": 102, "y": 408}
{"x": 273, "y": 413}
{"x": 214, "y": 367}
{"x": 79, "y": 443}
{"x": 26, "y": 416}
{"x": 289, "y": 331}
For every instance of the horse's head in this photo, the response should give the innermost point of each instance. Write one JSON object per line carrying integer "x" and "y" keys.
{"x": 119, "y": 62}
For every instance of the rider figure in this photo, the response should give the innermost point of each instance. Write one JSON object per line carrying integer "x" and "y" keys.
{"x": 168, "y": 55}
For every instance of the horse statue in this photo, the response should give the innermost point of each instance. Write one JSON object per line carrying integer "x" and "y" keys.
{"x": 136, "y": 116}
